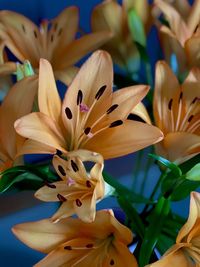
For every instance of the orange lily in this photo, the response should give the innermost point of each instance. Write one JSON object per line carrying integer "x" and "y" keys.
{"x": 78, "y": 191}
{"x": 109, "y": 15}
{"x": 91, "y": 117}
{"x": 177, "y": 113}
{"x": 184, "y": 38}
{"x": 73, "y": 243}
{"x": 17, "y": 103}
{"x": 186, "y": 251}
{"x": 54, "y": 40}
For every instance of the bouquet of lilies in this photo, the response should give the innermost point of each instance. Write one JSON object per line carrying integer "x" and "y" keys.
{"x": 96, "y": 121}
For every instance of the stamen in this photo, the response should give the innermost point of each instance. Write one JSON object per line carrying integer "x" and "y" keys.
{"x": 61, "y": 198}
{"x": 68, "y": 247}
{"x": 68, "y": 113}
{"x": 74, "y": 166}
{"x": 170, "y": 104}
{"x": 84, "y": 108}
{"x": 79, "y": 97}
{"x": 180, "y": 97}
{"x": 53, "y": 186}
{"x": 112, "y": 108}
{"x": 58, "y": 152}
{"x": 90, "y": 245}
{"x": 60, "y": 31}
{"x": 190, "y": 118}
{"x": 87, "y": 130}
{"x": 35, "y": 34}
{"x": 100, "y": 92}
{"x": 52, "y": 38}
{"x": 88, "y": 184}
{"x": 116, "y": 123}
{"x": 194, "y": 100}
{"x": 23, "y": 28}
{"x": 112, "y": 262}
{"x": 78, "y": 202}
{"x": 61, "y": 170}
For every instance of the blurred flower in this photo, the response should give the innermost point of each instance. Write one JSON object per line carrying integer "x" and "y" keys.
{"x": 109, "y": 15}
{"x": 186, "y": 251}
{"x": 71, "y": 242}
{"x": 53, "y": 40}
{"x": 183, "y": 35}
{"x": 91, "y": 117}
{"x": 177, "y": 113}
{"x": 16, "y": 104}
{"x": 78, "y": 191}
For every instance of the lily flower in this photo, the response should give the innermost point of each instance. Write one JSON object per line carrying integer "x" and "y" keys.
{"x": 183, "y": 34}
{"x": 78, "y": 191}
{"x": 53, "y": 40}
{"x": 91, "y": 116}
{"x": 17, "y": 103}
{"x": 186, "y": 251}
{"x": 177, "y": 113}
{"x": 74, "y": 243}
{"x": 111, "y": 16}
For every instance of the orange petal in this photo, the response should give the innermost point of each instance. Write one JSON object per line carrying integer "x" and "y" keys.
{"x": 65, "y": 210}
{"x": 66, "y": 76}
{"x": 175, "y": 21}
{"x": 41, "y": 128}
{"x": 48, "y": 97}
{"x": 194, "y": 216}
{"x": 140, "y": 110}
{"x": 124, "y": 139}
{"x": 192, "y": 50}
{"x": 12, "y": 109}
{"x": 193, "y": 18}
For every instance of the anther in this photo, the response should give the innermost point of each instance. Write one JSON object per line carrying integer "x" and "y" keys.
{"x": 23, "y": 28}
{"x": 190, "y": 118}
{"x": 78, "y": 202}
{"x": 116, "y": 123}
{"x": 53, "y": 186}
{"x": 100, "y": 92}
{"x": 68, "y": 247}
{"x": 61, "y": 198}
{"x": 61, "y": 170}
{"x": 180, "y": 97}
{"x": 74, "y": 166}
{"x": 170, "y": 104}
{"x": 68, "y": 113}
{"x": 88, "y": 184}
{"x": 112, "y": 108}
{"x": 87, "y": 130}
{"x": 90, "y": 245}
{"x": 112, "y": 262}
{"x": 79, "y": 97}
{"x": 60, "y": 31}
{"x": 35, "y": 34}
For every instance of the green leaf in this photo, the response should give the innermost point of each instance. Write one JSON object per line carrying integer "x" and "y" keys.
{"x": 123, "y": 190}
{"x": 184, "y": 189}
{"x": 170, "y": 165}
{"x": 194, "y": 173}
{"x": 136, "y": 28}
{"x": 153, "y": 231}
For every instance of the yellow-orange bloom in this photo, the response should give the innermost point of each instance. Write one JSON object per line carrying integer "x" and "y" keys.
{"x": 186, "y": 251}
{"x": 54, "y": 40}
{"x": 78, "y": 190}
{"x": 17, "y": 103}
{"x": 73, "y": 243}
{"x": 177, "y": 113}
{"x": 183, "y": 34}
{"x": 91, "y": 116}
{"x": 109, "y": 15}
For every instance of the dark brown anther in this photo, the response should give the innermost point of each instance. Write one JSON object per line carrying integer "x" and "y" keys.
{"x": 61, "y": 198}
{"x": 79, "y": 97}
{"x": 112, "y": 262}
{"x": 190, "y": 118}
{"x": 68, "y": 113}
{"x": 74, "y": 166}
{"x": 100, "y": 92}
{"x": 35, "y": 34}
{"x": 90, "y": 245}
{"x": 78, "y": 203}
{"x": 88, "y": 184}
{"x": 68, "y": 247}
{"x": 60, "y": 31}
{"x": 116, "y": 123}
{"x": 23, "y": 28}
{"x": 134, "y": 117}
{"x": 112, "y": 108}
{"x": 61, "y": 170}
{"x": 170, "y": 104}
{"x": 87, "y": 130}
{"x": 53, "y": 186}
{"x": 52, "y": 38}
{"x": 58, "y": 152}
{"x": 55, "y": 26}
{"x": 180, "y": 97}
{"x": 194, "y": 100}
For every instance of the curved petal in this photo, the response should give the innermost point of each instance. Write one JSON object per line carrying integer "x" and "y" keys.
{"x": 12, "y": 108}
{"x": 7, "y": 68}
{"x": 194, "y": 17}
{"x": 66, "y": 76}
{"x": 124, "y": 139}
{"x": 179, "y": 144}
{"x": 41, "y": 128}
{"x": 192, "y": 50}
{"x": 175, "y": 21}
{"x": 64, "y": 211}
{"x": 140, "y": 110}
{"x": 166, "y": 86}
{"x": 48, "y": 98}
{"x": 22, "y": 36}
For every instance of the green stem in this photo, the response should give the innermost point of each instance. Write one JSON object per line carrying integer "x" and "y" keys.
{"x": 137, "y": 168}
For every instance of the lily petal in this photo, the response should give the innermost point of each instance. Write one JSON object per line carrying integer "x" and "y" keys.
{"x": 194, "y": 16}
{"x": 41, "y": 128}
{"x": 192, "y": 50}
{"x": 124, "y": 139}
{"x": 66, "y": 76}
{"x": 140, "y": 110}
